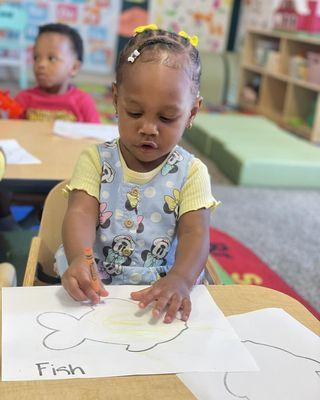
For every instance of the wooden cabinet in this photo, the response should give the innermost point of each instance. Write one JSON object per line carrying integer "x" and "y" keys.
{"x": 274, "y": 84}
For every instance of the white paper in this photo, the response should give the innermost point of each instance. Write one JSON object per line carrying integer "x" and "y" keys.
{"x": 43, "y": 330}
{"x": 78, "y": 130}
{"x": 287, "y": 353}
{"x": 16, "y": 154}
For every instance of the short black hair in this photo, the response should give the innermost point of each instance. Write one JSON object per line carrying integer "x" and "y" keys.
{"x": 68, "y": 31}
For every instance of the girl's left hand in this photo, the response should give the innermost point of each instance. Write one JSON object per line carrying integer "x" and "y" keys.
{"x": 170, "y": 291}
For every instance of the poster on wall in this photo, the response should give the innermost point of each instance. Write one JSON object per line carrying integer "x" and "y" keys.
{"x": 95, "y": 20}
{"x": 255, "y": 14}
{"x": 133, "y": 14}
{"x": 208, "y": 19}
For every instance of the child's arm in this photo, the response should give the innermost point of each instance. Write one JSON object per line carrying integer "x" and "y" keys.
{"x": 79, "y": 232}
{"x": 191, "y": 255}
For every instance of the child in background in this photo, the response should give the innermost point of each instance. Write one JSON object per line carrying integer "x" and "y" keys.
{"x": 58, "y": 54}
{"x": 141, "y": 201}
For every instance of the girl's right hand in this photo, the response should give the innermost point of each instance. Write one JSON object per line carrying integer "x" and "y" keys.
{"x": 77, "y": 282}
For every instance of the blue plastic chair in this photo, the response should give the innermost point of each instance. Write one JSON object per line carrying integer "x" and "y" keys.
{"x": 14, "y": 19}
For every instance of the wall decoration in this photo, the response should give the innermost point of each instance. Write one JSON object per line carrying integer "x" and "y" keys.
{"x": 255, "y": 14}
{"x": 208, "y": 19}
{"x": 96, "y": 21}
{"x": 133, "y": 14}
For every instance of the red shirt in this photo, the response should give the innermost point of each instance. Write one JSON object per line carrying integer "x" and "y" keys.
{"x": 74, "y": 105}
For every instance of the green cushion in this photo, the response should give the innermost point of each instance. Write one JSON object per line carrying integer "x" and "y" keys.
{"x": 254, "y": 151}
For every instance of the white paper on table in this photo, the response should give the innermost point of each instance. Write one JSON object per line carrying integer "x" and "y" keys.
{"x": 44, "y": 325}
{"x": 16, "y": 154}
{"x": 79, "y": 130}
{"x": 287, "y": 353}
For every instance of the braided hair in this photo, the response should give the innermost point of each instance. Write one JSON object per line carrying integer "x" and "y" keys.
{"x": 152, "y": 44}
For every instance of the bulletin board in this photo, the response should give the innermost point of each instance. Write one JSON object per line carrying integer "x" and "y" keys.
{"x": 209, "y": 19}
{"x": 95, "y": 20}
{"x": 106, "y": 25}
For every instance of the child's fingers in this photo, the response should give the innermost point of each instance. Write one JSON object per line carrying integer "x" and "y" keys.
{"x": 72, "y": 287}
{"x": 185, "y": 309}
{"x": 91, "y": 294}
{"x": 173, "y": 308}
{"x": 160, "y": 305}
{"x": 149, "y": 296}
{"x": 102, "y": 291}
{"x": 140, "y": 293}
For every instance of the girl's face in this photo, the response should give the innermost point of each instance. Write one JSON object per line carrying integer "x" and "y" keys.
{"x": 154, "y": 105}
{"x": 54, "y": 62}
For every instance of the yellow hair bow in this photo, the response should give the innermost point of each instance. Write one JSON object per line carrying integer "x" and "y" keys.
{"x": 192, "y": 39}
{"x": 141, "y": 28}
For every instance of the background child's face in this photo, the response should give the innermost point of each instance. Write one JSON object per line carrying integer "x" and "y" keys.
{"x": 55, "y": 62}
{"x": 154, "y": 104}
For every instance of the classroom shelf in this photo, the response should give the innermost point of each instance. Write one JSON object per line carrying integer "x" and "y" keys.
{"x": 291, "y": 102}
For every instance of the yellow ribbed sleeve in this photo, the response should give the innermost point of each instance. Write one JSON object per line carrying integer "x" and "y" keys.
{"x": 195, "y": 193}
{"x": 87, "y": 173}
{"x": 2, "y": 164}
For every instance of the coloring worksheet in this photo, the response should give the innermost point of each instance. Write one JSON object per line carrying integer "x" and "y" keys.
{"x": 79, "y": 130}
{"x": 48, "y": 335}
{"x": 16, "y": 154}
{"x": 288, "y": 355}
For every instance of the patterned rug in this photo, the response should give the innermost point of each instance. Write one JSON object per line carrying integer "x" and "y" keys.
{"x": 235, "y": 263}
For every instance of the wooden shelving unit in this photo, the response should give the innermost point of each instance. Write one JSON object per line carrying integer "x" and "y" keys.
{"x": 293, "y": 103}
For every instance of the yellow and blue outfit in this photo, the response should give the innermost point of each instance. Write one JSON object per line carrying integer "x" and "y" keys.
{"x": 136, "y": 237}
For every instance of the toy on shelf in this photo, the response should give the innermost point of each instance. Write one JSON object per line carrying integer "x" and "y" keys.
{"x": 9, "y": 107}
{"x": 297, "y": 15}
{"x": 298, "y": 67}
{"x": 263, "y": 47}
{"x": 313, "y": 74}
{"x": 250, "y": 92}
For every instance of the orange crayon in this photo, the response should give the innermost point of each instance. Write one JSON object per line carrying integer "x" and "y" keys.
{"x": 93, "y": 272}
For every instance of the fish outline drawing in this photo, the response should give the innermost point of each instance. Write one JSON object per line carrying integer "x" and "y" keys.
{"x": 116, "y": 321}
{"x": 265, "y": 355}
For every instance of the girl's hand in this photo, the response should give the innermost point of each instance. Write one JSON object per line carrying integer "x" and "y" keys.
{"x": 172, "y": 292}
{"x": 77, "y": 282}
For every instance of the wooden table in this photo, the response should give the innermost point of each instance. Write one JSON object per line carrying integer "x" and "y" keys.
{"x": 233, "y": 299}
{"x": 58, "y": 155}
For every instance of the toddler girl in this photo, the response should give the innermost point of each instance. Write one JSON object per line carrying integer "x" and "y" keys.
{"x": 141, "y": 201}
